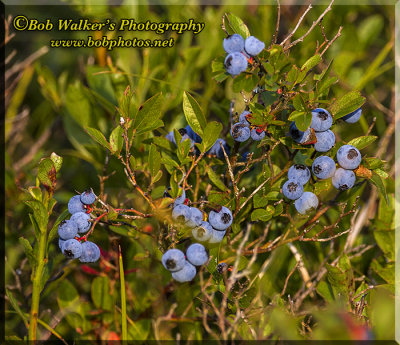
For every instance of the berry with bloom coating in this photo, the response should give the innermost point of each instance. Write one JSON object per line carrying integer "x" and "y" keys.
{"x": 216, "y": 236}
{"x": 196, "y": 254}
{"x": 298, "y": 135}
{"x": 82, "y": 221}
{"x": 240, "y": 132}
{"x": 321, "y": 120}
{"x": 323, "y": 167}
{"x": 235, "y": 63}
{"x": 243, "y": 119}
{"x": 325, "y": 141}
{"x": 343, "y": 179}
{"x": 292, "y": 189}
{"x": 186, "y": 274}
{"x": 171, "y": 137}
{"x": 222, "y": 219}
{"x": 67, "y": 229}
{"x": 180, "y": 199}
{"x": 353, "y": 117}
{"x": 173, "y": 260}
{"x": 306, "y": 202}
{"x": 181, "y": 213}
{"x": 75, "y": 205}
{"x": 203, "y": 232}
{"x": 257, "y": 134}
{"x": 61, "y": 243}
{"x": 348, "y": 157}
{"x": 90, "y": 252}
{"x": 233, "y": 43}
{"x": 195, "y": 217}
{"x": 300, "y": 173}
{"x": 253, "y": 46}
{"x": 72, "y": 249}
{"x": 88, "y": 197}
{"x": 216, "y": 149}
{"x": 192, "y": 134}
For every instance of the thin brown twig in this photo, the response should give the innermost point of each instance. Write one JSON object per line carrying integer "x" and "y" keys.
{"x": 297, "y": 25}
{"x": 275, "y": 36}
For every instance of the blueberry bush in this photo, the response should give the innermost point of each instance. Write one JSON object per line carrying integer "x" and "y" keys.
{"x": 239, "y": 185}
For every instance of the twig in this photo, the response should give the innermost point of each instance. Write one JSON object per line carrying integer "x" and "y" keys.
{"x": 275, "y": 36}
{"x": 297, "y": 25}
{"x": 332, "y": 40}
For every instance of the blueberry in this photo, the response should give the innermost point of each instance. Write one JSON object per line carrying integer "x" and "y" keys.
{"x": 235, "y": 63}
{"x": 173, "y": 260}
{"x": 82, "y": 221}
{"x": 203, "y": 232}
{"x": 195, "y": 217}
{"x": 181, "y": 213}
{"x": 240, "y": 132}
{"x": 171, "y": 137}
{"x": 243, "y": 119}
{"x": 321, "y": 120}
{"x": 216, "y": 149}
{"x": 217, "y": 236}
{"x": 90, "y": 252}
{"x": 181, "y": 199}
{"x": 323, "y": 167}
{"x": 222, "y": 267}
{"x": 325, "y": 141}
{"x": 192, "y": 134}
{"x": 306, "y": 202}
{"x": 196, "y": 254}
{"x": 300, "y": 173}
{"x": 67, "y": 229}
{"x": 75, "y": 205}
{"x": 88, "y": 197}
{"x": 186, "y": 274}
{"x": 292, "y": 189}
{"x": 343, "y": 179}
{"x": 253, "y": 46}
{"x": 61, "y": 243}
{"x": 299, "y": 136}
{"x": 257, "y": 134}
{"x": 348, "y": 157}
{"x": 222, "y": 219}
{"x": 353, "y": 117}
{"x": 72, "y": 249}
{"x": 233, "y": 43}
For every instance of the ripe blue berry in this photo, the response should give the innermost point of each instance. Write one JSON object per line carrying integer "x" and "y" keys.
{"x": 82, "y": 221}
{"x": 203, "y": 232}
{"x": 299, "y": 172}
{"x": 257, "y": 134}
{"x": 299, "y": 136}
{"x": 195, "y": 217}
{"x": 306, "y": 202}
{"x": 253, "y": 46}
{"x": 192, "y": 134}
{"x": 353, "y": 117}
{"x": 240, "y": 132}
{"x": 171, "y": 137}
{"x": 186, "y": 274}
{"x": 181, "y": 199}
{"x": 67, "y": 229}
{"x": 216, "y": 149}
{"x": 216, "y": 236}
{"x": 221, "y": 219}
{"x": 61, "y": 243}
{"x": 181, "y": 213}
{"x": 325, "y": 141}
{"x": 88, "y": 197}
{"x": 75, "y": 205}
{"x": 173, "y": 260}
{"x": 196, "y": 254}
{"x": 235, "y": 63}
{"x": 72, "y": 249}
{"x": 233, "y": 43}
{"x": 348, "y": 157}
{"x": 292, "y": 189}
{"x": 321, "y": 120}
{"x": 323, "y": 167}
{"x": 343, "y": 179}
{"x": 243, "y": 119}
{"x": 90, "y": 252}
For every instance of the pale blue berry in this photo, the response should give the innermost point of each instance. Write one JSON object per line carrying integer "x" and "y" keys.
{"x": 90, "y": 252}
{"x": 253, "y": 46}
{"x": 325, "y": 141}
{"x": 233, "y": 43}
{"x": 202, "y": 232}
{"x": 343, "y": 179}
{"x": 323, "y": 167}
{"x": 292, "y": 189}
{"x": 75, "y": 205}
{"x": 298, "y": 135}
{"x": 221, "y": 219}
{"x": 216, "y": 149}
{"x": 72, "y": 249}
{"x": 306, "y": 202}
{"x": 181, "y": 213}
{"x": 180, "y": 199}
{"x": 243, "y": 119}
{"x": 216, "y": 236}
{"x": 88, "y": 197}
{"x": 186, "y": 274}
{"x": 348, "y": 157}
{"x": 173, "y": 260}
{"x": 82, "y": 221}
{"x": 195, "y": 217}
{"x": 235, "y": 63}
{"x": 321, "y": 120}
{"x": 67, "y": 229}
{"x": 196, "y": 254}
{"x": 240, "y": 132}
{"x": 257, "y": 134}
{"x": 353, "y": 117}
{"x": 300, "y": 173}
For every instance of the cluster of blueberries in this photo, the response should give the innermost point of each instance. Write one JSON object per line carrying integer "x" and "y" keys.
{"x": 71, "y": 245}
{"x": 183, "y": 267}
{"x": 241, "y": 131}
{"x": 323, "y": 167}
{"x": 239, "y": 50}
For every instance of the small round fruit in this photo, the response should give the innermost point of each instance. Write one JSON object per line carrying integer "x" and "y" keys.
{"x": 61, "y": 243}
{"x": 235, "y": 63}
{"x": 257, "y": 134}
{"x": 192, "y": 134}
{"x": 67, "y": 229}
{"x": 233, "y": 43}
{"x": 292, "y": 189}
{"x": 72, "y": 249}
{"x": 88, "y": 197}
{"x": 353, "y": 117}
{"x": 325, "y": 141}
{"x": 321, "y": 120}
{"x": 216, "y": 149}
{"x": 243, "y": 119}
{"x": 181, "y": 213}
{"x": 253, "y": 46}
{"x": 217, "y": 236}
{"x": 195, "y": 217}
{"x": 203, "y": 232}
{"x": 75, "y": 205}
{"x": 300, "y": 173}
{"x": 186, "y": 274}
{"x": 196, "y": 254}
{"x": 240, "y": 132}
{"x": 173, "y": 260}
{"x": 323, "y": 167}
{"x": 221, "y": 219}
{"x": 180, "y": 199}
{"x": 343, "y": 179}
{"x": 306, "y": 202}
{"x": 82, "y": 221}
{"x": 298, "y": 135}
{"x": 90, "y": 252}
{"x": 348, "y": 157}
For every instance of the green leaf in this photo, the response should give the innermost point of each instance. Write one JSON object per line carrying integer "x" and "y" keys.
{"x": 362, "y": 141}
{"x": 164, "y": 143}
{"x": 302, "y": 119}
{"x": 149, "y": 113}
{"x": 116, "y": 140}
{"x": 337, "y": 278}
{"x": 98, "y": 137}
{"x": 47, "y": 173}
{"x": 154, "y": 160}
{"x": 214, "y": 178}
{"x": 211, "y": 134}
{"x": 57, "y": 161}
{"x": 36, "y": 193}
{"x": 16, "y": 307}
{"x": 237, "y": 25}
{"x": 78, "y": 104}
{"x": 67, "y": 296}
{"x": 347, "y": 104}
{"x": 28, "y": 251}
{"x": 377, "y": 181}
{"x": 308, "y": 65}
{"x": 193, "y": 113}
{"x": 374, "y": 163}
{"x": 101, "y": 293}
{"x": 39, "y": 213}
{"x": 325, "y": 290}
{"x": 244, "y": 81}
{"x": 385, "y": 240}
{"x": 263, "y": 215}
